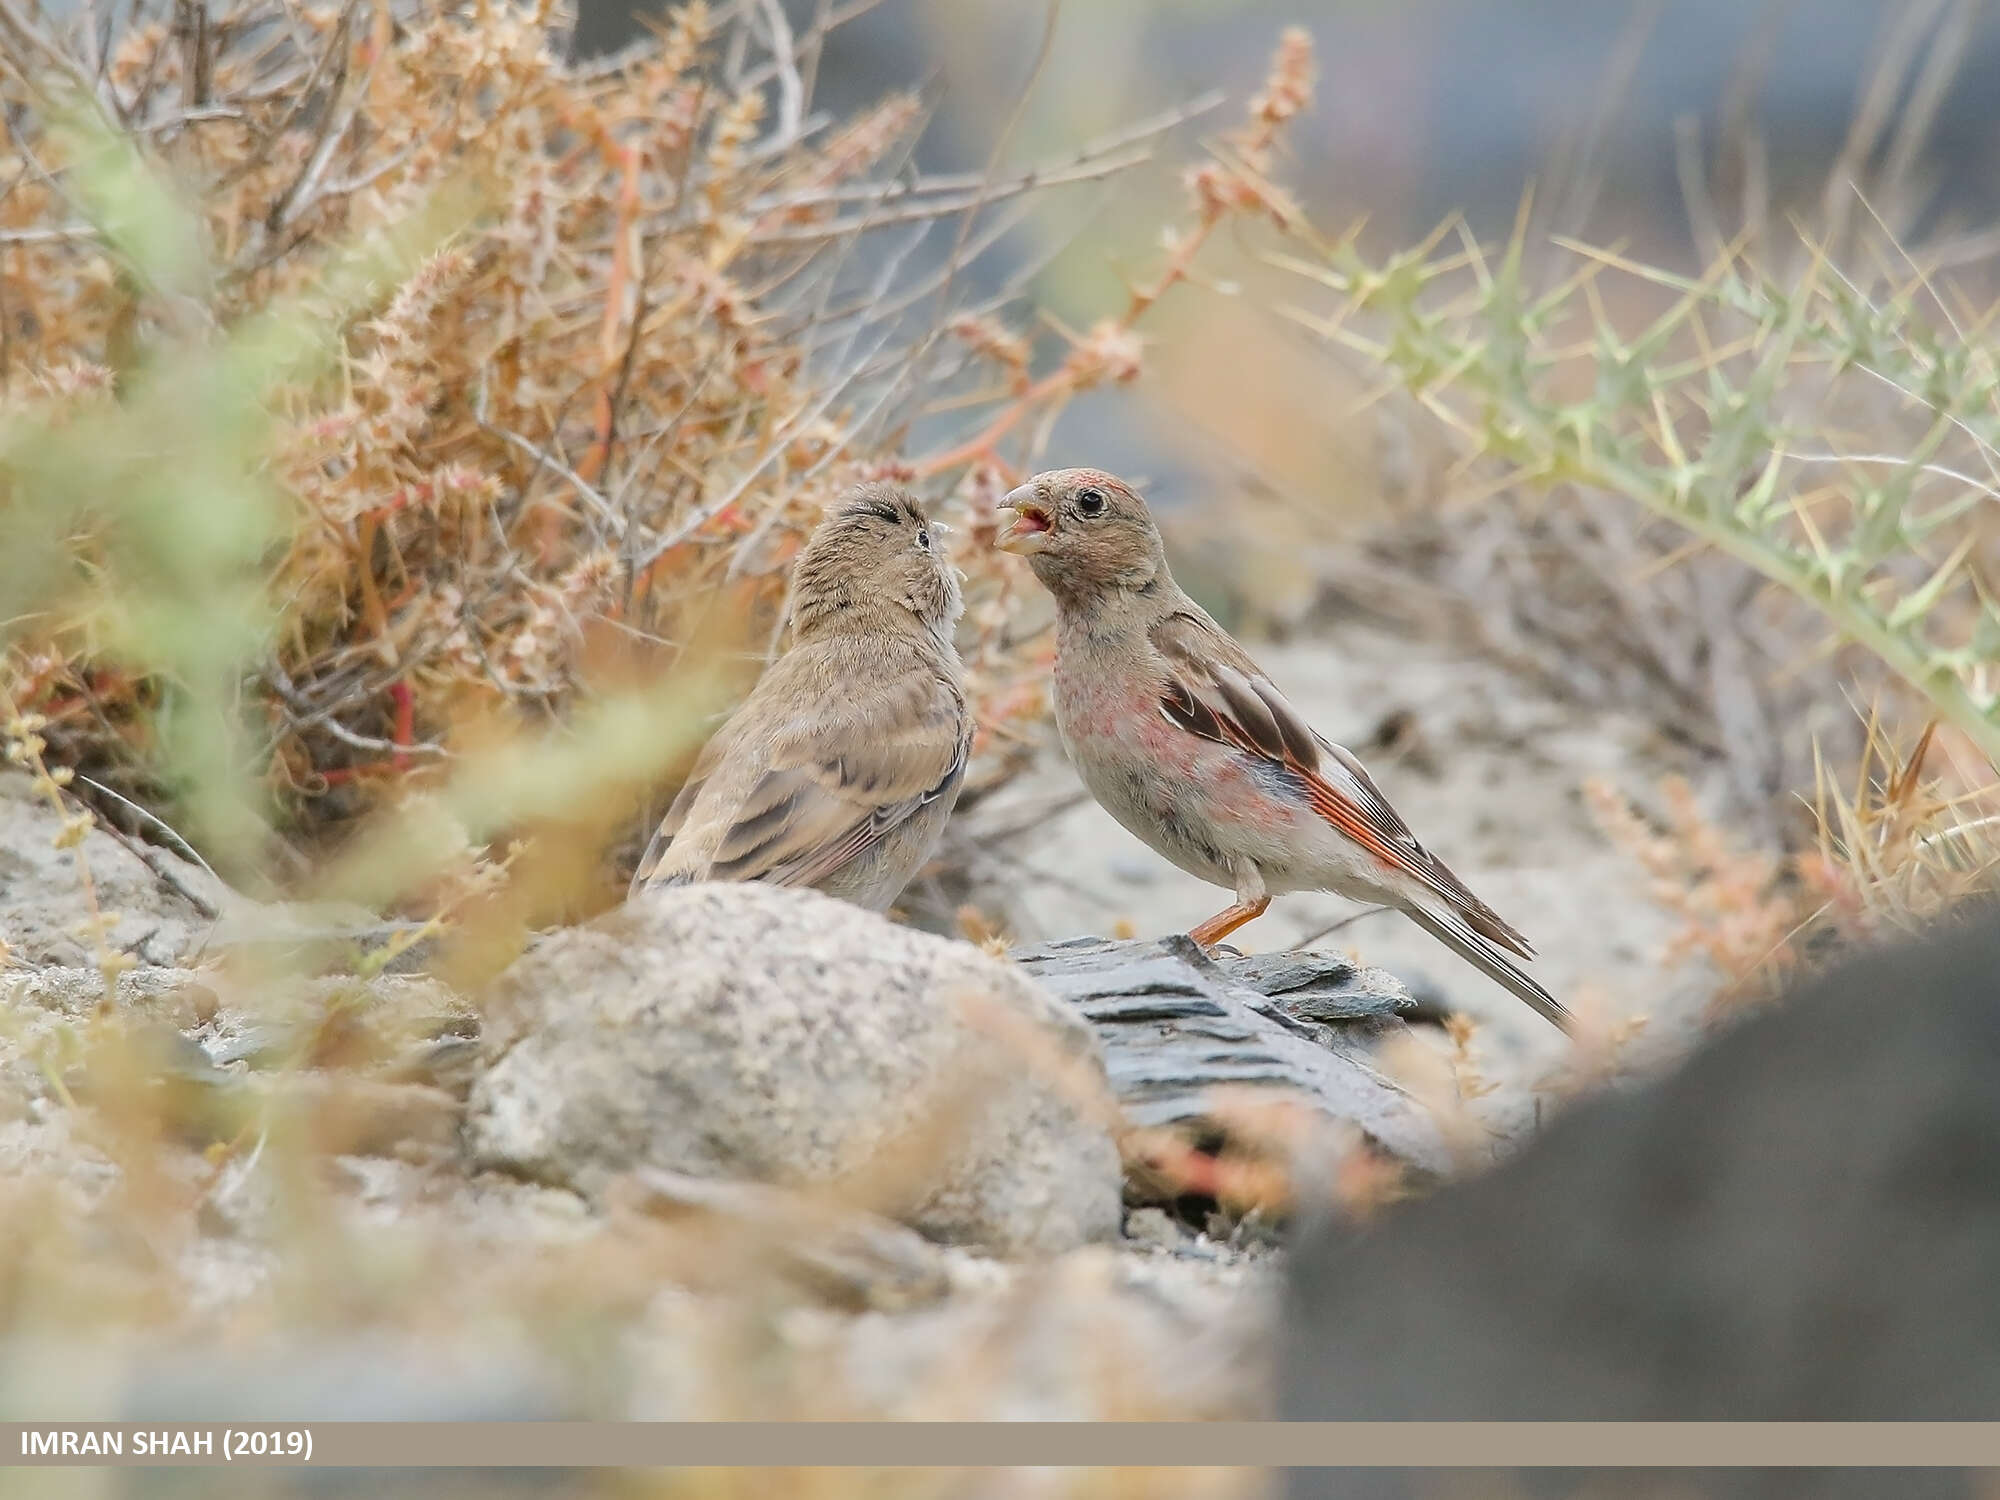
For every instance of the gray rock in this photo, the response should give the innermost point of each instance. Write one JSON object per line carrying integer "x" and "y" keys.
{"x": 277, "y": 1023}
{"x": 1312, "y": 986}
{"x": 1176, "y": 1024}
{"x": 181, "y": 998}
{"x": 1151, "y": 1227}
{"x": 300, "y": 936}
{"x": 169, "y": 910}
{"x": 1094, "y": 1334}
{"x": 375, "y": 1064}
{"x": 846, "y": 1258}
{"x": 164, "y": 904}
{"x": 781, "y": 1036}
{"x": 1097, "y": 1334}
{"x": 44, "y": 1023}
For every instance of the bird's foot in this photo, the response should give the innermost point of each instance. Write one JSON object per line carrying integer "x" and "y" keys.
{"x": 1207, "y": 935}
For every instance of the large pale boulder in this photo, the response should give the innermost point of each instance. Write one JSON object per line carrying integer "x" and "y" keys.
{"x": 781, "y": 1036}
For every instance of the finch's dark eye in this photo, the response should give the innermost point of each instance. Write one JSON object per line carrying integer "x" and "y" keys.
{"x": 1090, "y": 502}
{"x": 924, "y": 540}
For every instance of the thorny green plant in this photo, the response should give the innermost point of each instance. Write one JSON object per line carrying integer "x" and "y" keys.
{"x": 1728, "y": 413}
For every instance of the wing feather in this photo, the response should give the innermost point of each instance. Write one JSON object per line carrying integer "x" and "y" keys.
{"x": 1215, "y": 690}
{"x": 1458, "y": 934}
{"x": 826, "y": 786}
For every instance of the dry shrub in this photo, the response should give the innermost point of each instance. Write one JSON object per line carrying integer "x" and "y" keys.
{"x": 1907, "y": 841}
{"x": 584, "y": 432}
{"x": 1736, "y": 908}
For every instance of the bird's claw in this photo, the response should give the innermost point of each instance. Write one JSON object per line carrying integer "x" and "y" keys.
{"x": 1216, "y": 949}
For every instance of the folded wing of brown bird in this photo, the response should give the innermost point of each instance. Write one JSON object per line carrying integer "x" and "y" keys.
{"x": 793, "y": 802}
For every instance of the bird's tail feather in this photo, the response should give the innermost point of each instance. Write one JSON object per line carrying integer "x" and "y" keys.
{"x": 1484, "y": 956}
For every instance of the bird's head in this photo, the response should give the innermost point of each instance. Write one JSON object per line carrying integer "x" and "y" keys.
{"x": 1083, "y": 532}
{"x": 876, "y": 550}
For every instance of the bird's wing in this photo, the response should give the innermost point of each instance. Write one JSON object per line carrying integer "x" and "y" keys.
{"x": 831, "y": 786}
{"x": 1216, "y": 691}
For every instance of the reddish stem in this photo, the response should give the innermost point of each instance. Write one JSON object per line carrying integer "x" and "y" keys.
{"x": 406, "y": 722}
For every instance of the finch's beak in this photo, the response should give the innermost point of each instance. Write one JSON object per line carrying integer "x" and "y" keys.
{"x": 1032, "y": 522}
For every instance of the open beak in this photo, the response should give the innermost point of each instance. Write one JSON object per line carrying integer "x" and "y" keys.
{"x": 1032, "y": 522}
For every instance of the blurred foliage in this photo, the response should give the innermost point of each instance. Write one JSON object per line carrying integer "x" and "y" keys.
{"x": 408, "y": 439}
{"x": 302, "y": 526}
{"x": 141, "y": 493}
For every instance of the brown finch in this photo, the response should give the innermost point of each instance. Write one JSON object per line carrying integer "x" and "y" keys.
{"x": 842, "y": 766}
{"x": 1185, "y": 741}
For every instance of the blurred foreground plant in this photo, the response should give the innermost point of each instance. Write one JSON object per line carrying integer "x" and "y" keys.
{"x": 138, "y": 499}
{"x": 542, "y": 456}
{"x": 406, "y": 440}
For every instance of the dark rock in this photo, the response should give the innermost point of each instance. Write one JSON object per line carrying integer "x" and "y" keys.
{"x": 1801, "y": 1224}
{"x": 1314, "y": 986}
{"x": 1176, "y": 1024}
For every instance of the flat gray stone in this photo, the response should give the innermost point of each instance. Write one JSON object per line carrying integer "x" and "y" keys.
{"x": 1175, "y": 1024}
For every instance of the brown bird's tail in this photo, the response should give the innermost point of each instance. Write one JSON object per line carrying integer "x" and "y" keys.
{"x": 1487, "y": 957}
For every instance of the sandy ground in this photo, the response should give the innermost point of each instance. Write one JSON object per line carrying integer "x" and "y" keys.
{"x": 1489, "y": 770}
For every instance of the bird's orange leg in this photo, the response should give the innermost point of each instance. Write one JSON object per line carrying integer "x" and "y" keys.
{"x": 1224, "y": 922}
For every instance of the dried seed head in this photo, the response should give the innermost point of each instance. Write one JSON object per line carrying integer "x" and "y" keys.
{"x": 1109, "y": 352}
{"x": 1289, "y": 85}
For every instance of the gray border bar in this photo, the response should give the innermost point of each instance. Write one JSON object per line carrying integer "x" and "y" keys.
{"x": 1005, "y": 1444}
